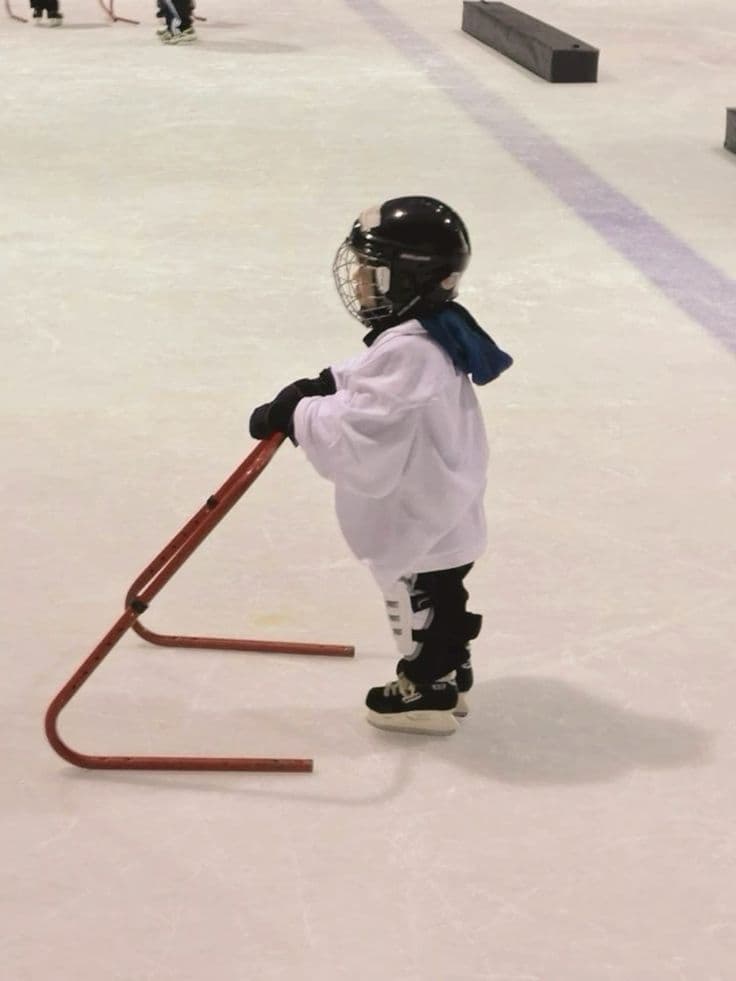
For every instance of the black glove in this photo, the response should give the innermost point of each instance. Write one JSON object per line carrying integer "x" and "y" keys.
{"x": 277, "y": 416}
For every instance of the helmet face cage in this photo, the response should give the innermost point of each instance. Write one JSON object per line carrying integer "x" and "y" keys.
{"x": 362, "y": 283}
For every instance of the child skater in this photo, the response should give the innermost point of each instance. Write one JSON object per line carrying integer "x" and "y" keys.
{"x": 177, "y": 16}
{"x": 399, "y": 432}
{"x": 51, "y": 7}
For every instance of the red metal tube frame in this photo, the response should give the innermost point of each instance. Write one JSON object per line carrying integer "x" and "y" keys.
{"x": 9, "y": 11}
{"x": 110, "y": 11}
{"x": 153, "y": 578}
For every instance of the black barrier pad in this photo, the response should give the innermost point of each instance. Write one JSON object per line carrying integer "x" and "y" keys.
{"x": 552, "y": 54}
{"x": 730, "y": 142}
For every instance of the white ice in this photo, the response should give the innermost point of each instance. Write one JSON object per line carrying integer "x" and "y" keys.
{"x": 168, "y": 221}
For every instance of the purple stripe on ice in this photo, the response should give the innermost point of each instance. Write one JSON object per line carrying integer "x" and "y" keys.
{"x": 700, "y": 289}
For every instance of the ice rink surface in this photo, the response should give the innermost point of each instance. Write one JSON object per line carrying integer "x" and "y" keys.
{"x": 169, "y": 218}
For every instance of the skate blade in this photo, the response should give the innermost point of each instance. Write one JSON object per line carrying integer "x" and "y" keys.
{"x": 462, "y": 708}
{"x": 425, "y": 722}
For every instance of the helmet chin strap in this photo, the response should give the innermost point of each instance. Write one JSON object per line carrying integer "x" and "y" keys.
{"x": 449, "y": 283}
{"x": 409, "y": 305}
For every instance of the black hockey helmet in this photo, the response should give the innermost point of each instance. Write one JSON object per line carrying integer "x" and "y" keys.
{"x": 401, "y": 259}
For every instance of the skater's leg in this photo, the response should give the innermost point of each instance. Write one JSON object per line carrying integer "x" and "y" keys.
{"x": 432, "y": 628}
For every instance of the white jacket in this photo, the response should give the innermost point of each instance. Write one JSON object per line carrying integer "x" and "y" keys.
{"x": 404, "y": 443}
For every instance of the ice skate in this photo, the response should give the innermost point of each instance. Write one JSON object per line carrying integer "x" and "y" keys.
{"x": 402, "y": 706}
{"x": 55, "y": 20}
{"x": 186, "y": 36}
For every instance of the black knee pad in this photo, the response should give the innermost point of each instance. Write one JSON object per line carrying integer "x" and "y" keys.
{"x": 450, "y": 630}
{"x": 472, "y": 626}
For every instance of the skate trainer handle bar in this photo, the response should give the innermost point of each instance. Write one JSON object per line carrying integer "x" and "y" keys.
{"x": 148, "y": 584}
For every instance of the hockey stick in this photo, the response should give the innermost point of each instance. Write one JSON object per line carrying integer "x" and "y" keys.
{"x": 144, "y": 589}
{"x": 110, "y": 11}
{"x": 22, "y": 20}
